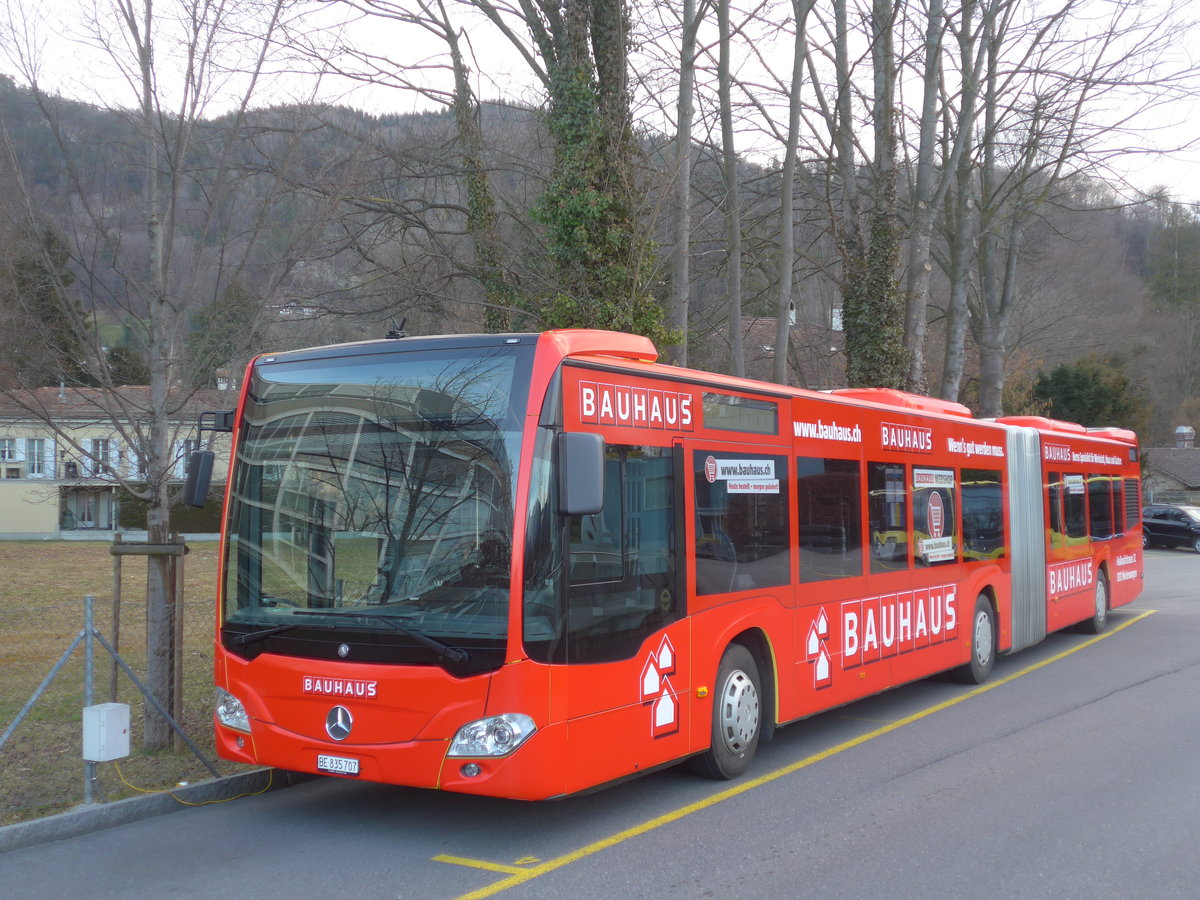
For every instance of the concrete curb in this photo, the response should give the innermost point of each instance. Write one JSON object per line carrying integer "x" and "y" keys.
{"x": 86, "y": 819}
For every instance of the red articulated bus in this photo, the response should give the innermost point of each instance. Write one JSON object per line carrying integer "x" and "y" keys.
{"x": 529, "y": 565}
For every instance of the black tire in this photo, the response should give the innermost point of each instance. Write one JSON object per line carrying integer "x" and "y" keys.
{"x": 1146, "y": 545}
{"x": 1196, "y": 544}
{"x": 736, "y": 719}
{"x": 1097, "y": 623}
{"x": 983, "y": 645}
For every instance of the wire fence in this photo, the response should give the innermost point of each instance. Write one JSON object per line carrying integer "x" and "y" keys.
{"x": 42, "y": 611}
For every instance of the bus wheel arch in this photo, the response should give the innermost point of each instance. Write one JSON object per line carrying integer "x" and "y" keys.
{"x": 739, "y": 712}
{"x": 983, "y": 634}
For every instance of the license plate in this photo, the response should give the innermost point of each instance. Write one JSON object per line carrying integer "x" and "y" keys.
{"x": 337, "y": 765}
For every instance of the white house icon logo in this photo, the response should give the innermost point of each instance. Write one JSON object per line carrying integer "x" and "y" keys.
{"x": 657, "y": 692}
{"x": 817, "y": 651}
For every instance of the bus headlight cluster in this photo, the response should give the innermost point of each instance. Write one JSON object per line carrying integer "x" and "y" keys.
{"x": 230, "y": 711}
{"x": 493, "y": 736}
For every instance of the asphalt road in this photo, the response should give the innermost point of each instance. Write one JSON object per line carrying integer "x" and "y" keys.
{"x": 1073, "y": 773}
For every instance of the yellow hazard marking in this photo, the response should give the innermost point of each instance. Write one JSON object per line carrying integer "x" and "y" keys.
{"x": 521, "y": 875}
{"x": 479, "y": 864}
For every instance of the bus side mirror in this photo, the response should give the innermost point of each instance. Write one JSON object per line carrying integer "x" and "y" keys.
{"x": 199, "y": 476}
{"x": 580, "y": 459}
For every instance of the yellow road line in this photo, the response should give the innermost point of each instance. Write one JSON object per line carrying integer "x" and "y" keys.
{"x": 479, "y": 864}
{"x": 518, "y": 876}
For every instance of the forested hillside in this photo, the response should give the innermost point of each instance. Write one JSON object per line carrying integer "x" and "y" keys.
{"x": 355, "y": 222}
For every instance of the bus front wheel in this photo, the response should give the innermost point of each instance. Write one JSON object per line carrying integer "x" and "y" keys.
{"x": 983, "y": 644}
{"x": 737, "y": 717}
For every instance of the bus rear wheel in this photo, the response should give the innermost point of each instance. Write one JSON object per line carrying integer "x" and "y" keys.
{"x": 983, "y": 645}
{"x": 737, "y": 717}
{"x": 1099, "y": 619}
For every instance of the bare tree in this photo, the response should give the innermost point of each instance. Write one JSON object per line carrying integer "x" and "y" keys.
{"x": 192, "y": 241}
{"x": 732, "y": 205}
{"x": 787, "y": 194}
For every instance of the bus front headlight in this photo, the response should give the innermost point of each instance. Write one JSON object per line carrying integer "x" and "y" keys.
{"x": 493, "y": 736}
{"x": 230, "y": 711}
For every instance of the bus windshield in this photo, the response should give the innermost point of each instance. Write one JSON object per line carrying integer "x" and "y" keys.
{"x": 371, "y": 500}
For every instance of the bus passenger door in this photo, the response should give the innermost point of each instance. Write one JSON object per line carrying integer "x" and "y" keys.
{"x": 622, "y": 688}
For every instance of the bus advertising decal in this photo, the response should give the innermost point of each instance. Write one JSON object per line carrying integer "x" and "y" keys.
{"x": 933, "y": 478}
{"x": 657, "y": 693}
{"x": 828, "y": 431}
{"x": 1063, "y": 453}
{"x": 743, "y": 476}
{"x": 817, "y": 651}
{"x": 340, "y": 687}
{"x": 1124, "y": 572}
{"x": 634, "y": 407}
{"x": 973, "y": 448}
{"x": 877, "y": 628}
{"x": 906, "y": 438}
{"x": 1068, "y": 577}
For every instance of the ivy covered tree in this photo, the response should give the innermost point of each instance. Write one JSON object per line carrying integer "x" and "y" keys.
{"x": 602, "y": 263}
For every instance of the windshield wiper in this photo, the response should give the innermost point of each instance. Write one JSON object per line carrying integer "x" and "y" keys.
{"x": 253, "y": 637}
{"x": 442, "y": 649}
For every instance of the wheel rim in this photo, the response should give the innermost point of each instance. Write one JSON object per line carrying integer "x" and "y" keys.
{"x": 983, "y": 638}
{"x": 1101, "y": 600}
{"x": 739, "y": 712}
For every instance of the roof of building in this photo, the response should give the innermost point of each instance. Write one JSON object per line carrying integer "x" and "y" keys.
{"x": 1182, "y": 464}
{"x": 96, "y": 404}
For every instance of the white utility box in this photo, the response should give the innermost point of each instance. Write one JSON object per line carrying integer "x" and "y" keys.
{"x": 105, "y": 732}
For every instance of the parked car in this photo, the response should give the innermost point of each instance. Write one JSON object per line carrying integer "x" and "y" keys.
{"x": 1171, "y": 526}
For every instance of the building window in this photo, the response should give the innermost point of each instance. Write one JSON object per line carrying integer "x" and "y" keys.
{"x": 8, "y": 448}
{"x": 35, "y": 456}
{"x": 99, "y": 452}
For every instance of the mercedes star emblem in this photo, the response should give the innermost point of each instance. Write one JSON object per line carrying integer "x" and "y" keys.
{"x": 338, "y": 723}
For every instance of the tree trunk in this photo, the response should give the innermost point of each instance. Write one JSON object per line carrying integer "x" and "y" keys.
{"x": 159, "y": 610}
{"x": 920, "y": 263}
{"x": 500, "y": 298}
{"x": 733, "y": 221}
{"x": 682, "y": 220}
{"x": 787, "y": 198}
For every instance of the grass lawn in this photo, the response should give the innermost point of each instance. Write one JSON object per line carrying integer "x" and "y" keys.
{"x": 42, "y": 588}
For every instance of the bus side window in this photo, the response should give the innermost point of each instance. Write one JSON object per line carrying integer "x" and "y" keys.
{"x": 1054, "y": 493}
{"x": 1133, "y": 504}
{"x": 982, "y": 514}
{"x": 830, "y": 504}
{"x": 741, "y": 516}
{"x": 887, "y": 509}
{"x": 1101, "y": 522}
{"x": 935, "y": 516}
{"x": 1075, "y": 508}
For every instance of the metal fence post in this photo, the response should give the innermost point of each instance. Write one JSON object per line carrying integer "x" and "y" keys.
{"x": 89, "y": 651}
{"x": 116, "y": 618}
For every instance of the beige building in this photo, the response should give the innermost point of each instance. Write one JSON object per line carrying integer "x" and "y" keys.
{"x": 64, "y": 481}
